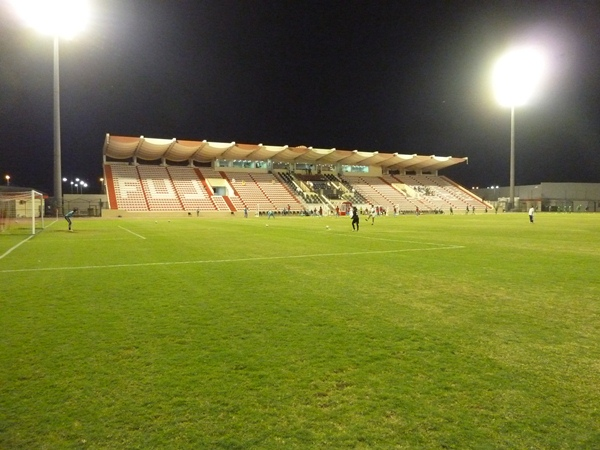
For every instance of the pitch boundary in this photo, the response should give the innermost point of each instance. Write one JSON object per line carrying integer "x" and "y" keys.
{"x": 14, "y": 247}
{"x": 230, "y": 260}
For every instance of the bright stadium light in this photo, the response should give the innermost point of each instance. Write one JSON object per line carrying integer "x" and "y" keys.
{"x": 517, "y": 76}
{"x": 59, "y": 19}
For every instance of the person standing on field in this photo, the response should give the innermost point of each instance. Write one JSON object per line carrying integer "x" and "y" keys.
{"x": 531, "y": 212}
{"x": 371, "y": 213}
{"x": 355, "y": 219}
{"x": 69, "y": 215}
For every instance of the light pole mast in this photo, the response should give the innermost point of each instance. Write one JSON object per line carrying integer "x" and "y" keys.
{"x": 516, "y": 77}
{"x": 58, "y": 196}
{"x": 511, "y": 192}
{"x": 56, "y": 18}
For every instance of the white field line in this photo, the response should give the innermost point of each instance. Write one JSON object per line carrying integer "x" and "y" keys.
{"x": 104, "y": 239}
{"x": 7, "y": 252}
{"x": 233, "y": 260}
{"x": 129, "y": 231}
{"x": 362, "y": 236}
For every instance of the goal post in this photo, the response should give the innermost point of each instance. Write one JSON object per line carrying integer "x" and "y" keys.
{"x": 21, "y": 211}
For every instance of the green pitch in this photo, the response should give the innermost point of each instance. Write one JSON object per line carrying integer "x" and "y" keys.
{"x": 477, "y": 331}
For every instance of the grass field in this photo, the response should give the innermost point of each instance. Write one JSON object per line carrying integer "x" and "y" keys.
{"x": 477, "y": 331}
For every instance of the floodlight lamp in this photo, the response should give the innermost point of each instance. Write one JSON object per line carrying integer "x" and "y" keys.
{"x": 517, "y": 75}
{"x": 60, "y": 18}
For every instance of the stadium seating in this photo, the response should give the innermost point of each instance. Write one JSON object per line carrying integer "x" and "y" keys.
{"x": 178, "y": 188}
{"x": 441, "y": 192}
{"x": 191, "y": 190}
{"x": 160, "y": 192}
{"x": 279, "y": 196}
{"x": 249, "y": 192}
{"x": 128, "y": 191}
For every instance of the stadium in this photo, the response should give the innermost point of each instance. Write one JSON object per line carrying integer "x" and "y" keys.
{"x": 173, "y": 320}
{"x": 229, "y": 294}
{"x": 170, "y": 177}
{"x": 140, "y": 175}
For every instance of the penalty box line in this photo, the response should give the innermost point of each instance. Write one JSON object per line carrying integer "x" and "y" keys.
{"x": 230, "y": 260}
{"x": 14, "y": 247}
{"x": 129, "y": 231}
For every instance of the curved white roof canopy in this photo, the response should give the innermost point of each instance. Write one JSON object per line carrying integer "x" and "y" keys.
{"x": 126, "y": 147}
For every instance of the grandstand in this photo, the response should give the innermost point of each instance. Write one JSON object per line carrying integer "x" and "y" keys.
{"x": 168, "y": 175}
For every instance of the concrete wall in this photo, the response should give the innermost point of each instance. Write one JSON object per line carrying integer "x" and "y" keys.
{"x": 88, "y": 204}
{"x": 549, "y": 196}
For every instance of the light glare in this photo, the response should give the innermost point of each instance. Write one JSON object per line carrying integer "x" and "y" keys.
{"x": 517, "y": 75}
{"x": 63, "y": 18}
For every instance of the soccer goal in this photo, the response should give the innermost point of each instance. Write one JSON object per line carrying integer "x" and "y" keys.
{"x": 21, "y": 212}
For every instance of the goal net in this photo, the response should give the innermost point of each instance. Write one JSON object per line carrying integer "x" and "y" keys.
{"x": 21, "y": 212}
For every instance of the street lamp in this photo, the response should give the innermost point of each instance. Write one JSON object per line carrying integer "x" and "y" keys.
{"x": 517, "y": 75}
{"x": 7, "y": 177}
{"x": 57, "y": 18}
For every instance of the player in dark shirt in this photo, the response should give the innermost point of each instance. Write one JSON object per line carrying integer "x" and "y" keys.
{"x": 355, "y": 219}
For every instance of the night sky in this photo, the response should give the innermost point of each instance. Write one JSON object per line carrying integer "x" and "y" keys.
{"x": 406, "y": 77}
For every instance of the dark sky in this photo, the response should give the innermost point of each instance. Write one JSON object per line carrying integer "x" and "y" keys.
{"x": 407, "y": 77}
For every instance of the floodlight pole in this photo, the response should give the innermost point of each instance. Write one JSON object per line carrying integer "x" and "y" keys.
{"x": 58, "y": 197}
{"x": 511, "y": 194}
